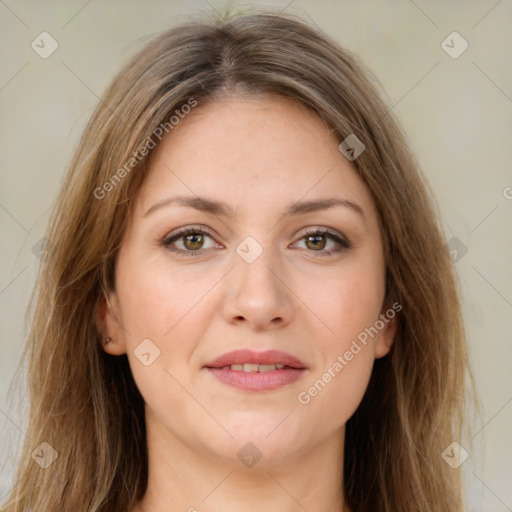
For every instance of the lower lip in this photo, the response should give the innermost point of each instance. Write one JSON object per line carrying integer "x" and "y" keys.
{"x": 257, "y": 381}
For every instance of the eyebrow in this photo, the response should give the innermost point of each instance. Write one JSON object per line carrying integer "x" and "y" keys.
{"x": 218, "y": 208}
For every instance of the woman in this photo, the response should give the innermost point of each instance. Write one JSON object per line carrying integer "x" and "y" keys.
{"x": 248, "y": 300}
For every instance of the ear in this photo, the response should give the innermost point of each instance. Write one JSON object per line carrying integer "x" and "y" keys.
{"x": 109, "y": 326}
{"x": 389, "y": 317}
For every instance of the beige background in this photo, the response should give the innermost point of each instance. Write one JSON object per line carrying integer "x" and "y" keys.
{"x": 457, "y": 113}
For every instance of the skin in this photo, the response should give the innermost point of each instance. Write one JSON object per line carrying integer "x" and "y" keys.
{"x": 257, "y": 155}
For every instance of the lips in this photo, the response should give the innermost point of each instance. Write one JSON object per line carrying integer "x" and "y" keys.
{"x": 256, "y": 371}
{"x": 249, "y": 358}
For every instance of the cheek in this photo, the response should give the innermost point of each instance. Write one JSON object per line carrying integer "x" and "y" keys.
{"x": 338, "y": 389}
{"x": 348, "y": 305}
{"x": 346, "y": 302}
{"x": 339, "y": 380}
{"x": 157, "y": 298}
{"x": 168, "y": 308}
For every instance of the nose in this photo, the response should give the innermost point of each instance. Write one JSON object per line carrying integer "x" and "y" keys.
{"x": 258, "y": 293}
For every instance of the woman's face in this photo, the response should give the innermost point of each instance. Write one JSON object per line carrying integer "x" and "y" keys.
{"x": 257, "y": 178}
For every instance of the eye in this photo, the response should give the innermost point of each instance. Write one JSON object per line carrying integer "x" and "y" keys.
{"x": 317, "y": 240}
{"x": 190, "y": 241}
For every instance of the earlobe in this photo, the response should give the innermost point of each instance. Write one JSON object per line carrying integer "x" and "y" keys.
{"x": 110, "y": 346}
{"x": 387, "y": 334}
{"x": 109, "y": 328}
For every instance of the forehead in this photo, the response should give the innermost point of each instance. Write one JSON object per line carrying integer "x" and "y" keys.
{"x": 263, "y": 152}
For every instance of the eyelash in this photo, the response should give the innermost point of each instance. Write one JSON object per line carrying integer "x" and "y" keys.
{"x": 344, "y": 244}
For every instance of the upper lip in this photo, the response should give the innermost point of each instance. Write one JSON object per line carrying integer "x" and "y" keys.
{"x": 250, "y": 356}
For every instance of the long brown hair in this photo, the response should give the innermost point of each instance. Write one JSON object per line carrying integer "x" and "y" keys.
{"x": 84, "y": 402}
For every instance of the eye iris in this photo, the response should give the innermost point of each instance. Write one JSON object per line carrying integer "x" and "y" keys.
{"x": 195, "y": 239}
{"x": 315, "y": 239}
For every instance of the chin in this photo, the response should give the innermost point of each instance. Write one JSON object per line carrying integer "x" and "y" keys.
{"x": 262, "y": 441}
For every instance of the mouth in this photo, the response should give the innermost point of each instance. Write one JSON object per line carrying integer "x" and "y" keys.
{"x": 257, "y": 371}
{"x": 250, "y": 367}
